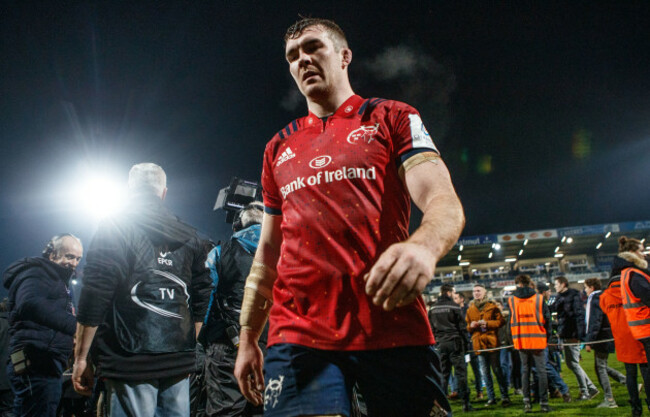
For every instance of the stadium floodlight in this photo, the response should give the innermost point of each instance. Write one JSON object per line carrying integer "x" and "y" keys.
{"x": 464, "y": 263}
{"x": 559, "y": 255}
{"x": 510, "y": 288}
{"x": 521, "y": 252}
{"x": 582, "y": 281}
{"x": 569, "y": 240}
{"x": 101, "y": 196}
{"x": 563, "y": 239}
{"x": 492, "y": 254}
{"x": 608, "y": 235}
{"x": 460, "y": 257}
{"x": 557, "y": 249}
{"x": 599, "y": 245}
{"x": 496, "y": 246}
{"x": 511, "y": 259}
{"x": 461, "y": 248}
{"x": 643, "y": 240}
{"x": 525, "y": 242}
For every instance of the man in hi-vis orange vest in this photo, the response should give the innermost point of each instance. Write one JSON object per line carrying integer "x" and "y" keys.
{"x": 635, "y": 290}
{"x": 530, "y": 324}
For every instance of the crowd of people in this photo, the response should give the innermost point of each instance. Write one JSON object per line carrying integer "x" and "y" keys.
{"x": 313, "y": 307}
{"x": 514, "y": 343}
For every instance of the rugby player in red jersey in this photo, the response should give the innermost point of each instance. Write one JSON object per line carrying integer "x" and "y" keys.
{"x": 336, "y": 268}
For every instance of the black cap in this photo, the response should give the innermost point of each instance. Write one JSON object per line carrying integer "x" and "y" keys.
{"x": 542, "y": 287}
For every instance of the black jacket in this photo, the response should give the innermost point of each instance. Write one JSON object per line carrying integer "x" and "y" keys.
{"x": 639, "y": 286}
{"x": 598, "y": 327}
{"x": 447, "y": 321}
{"x": 527, "y": 292}
{"x": 40, "y": 313}
{"x": 570, "y": 315}
{"x": 146, "y": 284}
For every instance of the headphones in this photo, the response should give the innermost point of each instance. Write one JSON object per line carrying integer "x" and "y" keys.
{"x": 49, "y": 248}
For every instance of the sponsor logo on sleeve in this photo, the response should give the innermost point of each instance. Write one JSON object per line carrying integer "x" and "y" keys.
{"x": 419, "y": 134}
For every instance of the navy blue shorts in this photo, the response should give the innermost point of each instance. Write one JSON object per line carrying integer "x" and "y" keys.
{"x": 403, "y": 381}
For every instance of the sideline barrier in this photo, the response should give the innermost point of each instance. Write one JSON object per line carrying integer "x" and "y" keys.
{"x": 550, "y": 344}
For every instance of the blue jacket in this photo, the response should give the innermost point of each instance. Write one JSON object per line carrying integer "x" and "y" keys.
{"x": 40, "y": 312}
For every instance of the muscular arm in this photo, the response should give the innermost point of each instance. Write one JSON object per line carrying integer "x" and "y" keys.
{"x": 248, "y": 367}
{"x": 82, "y": 374}
{"x": 402, "y": 272}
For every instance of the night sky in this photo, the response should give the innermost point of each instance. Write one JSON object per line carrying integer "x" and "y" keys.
{"x": 541, "y": 112}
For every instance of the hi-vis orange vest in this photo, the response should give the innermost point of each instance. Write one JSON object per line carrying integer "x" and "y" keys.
{"x": 527, "y": 322}
{"x": 637, "y": 313}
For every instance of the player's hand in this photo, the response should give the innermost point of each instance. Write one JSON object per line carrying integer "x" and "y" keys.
{"x": 83, "y": 378}
{"x": 400, "y": 275}
{"x": 248, "y": 371}
{"x": 473, "y": 324}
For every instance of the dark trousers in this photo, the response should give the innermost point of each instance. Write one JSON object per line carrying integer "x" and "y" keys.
{"x": 492, "y": 360}
{"x": 516, "y": 371}
{"x": 452, "y": 354}
{"x": 223, "y": 394}
{"x": 478, "y": 375}
{"x": 536, "y": 358}
{"x": 646, "y": 346}
{"x": 631, "y": 381}
{"x": 35, "y": 395}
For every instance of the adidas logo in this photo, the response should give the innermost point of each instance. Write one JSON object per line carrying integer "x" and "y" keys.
{"x": 285, "y": 156}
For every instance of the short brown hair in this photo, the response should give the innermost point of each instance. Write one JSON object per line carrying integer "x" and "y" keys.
{"x": 446, "y": 288}
{"x": 523, "y": 279}
{"x": 593, "y": 283}
{"x": 628, "y": 244}
{"x": 335, "y": 32}
{"x": 563, "y": 280}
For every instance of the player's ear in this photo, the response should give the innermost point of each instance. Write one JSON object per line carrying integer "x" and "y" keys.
{"x": 346, "y": 57}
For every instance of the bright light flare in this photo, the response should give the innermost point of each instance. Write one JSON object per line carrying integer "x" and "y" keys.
{"x": 101, "y": 197}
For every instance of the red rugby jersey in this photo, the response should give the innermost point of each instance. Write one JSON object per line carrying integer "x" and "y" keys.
{"x": 337, "y": 187}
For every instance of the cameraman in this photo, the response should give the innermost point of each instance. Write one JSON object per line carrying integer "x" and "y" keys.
{"x": 229, "y": 266}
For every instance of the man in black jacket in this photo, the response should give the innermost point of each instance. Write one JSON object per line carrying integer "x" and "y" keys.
{"x": 41, "y": 325}
{"x": 448, "y": 325}
{"x": 571, "y": 329}
{"x": 145, "y": 291}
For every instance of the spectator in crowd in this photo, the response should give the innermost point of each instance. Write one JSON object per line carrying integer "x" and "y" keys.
{"x": 479, "y": 381}
{"x": 147, "y": 288}
{"x": 558, "y": 388}
{"x": 41, "y": 325}
{"x": 628, "y": 350}
{"x": 598, "y": 328}
{"x": 505, "y": 339}
{"x": 483, "y": 321}
{"x": 448, "y": 325}
{"x": 530, "y": 324}
{"x": 635, "y": 289}
{"x": 229, "y": 265}
{"x": 571, "y": 329}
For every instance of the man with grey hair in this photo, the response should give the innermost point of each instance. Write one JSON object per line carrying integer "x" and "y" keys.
{"x": 41, "y": 325}
{"x": 146, "y": 289}
{"x": 148, "y": 175}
